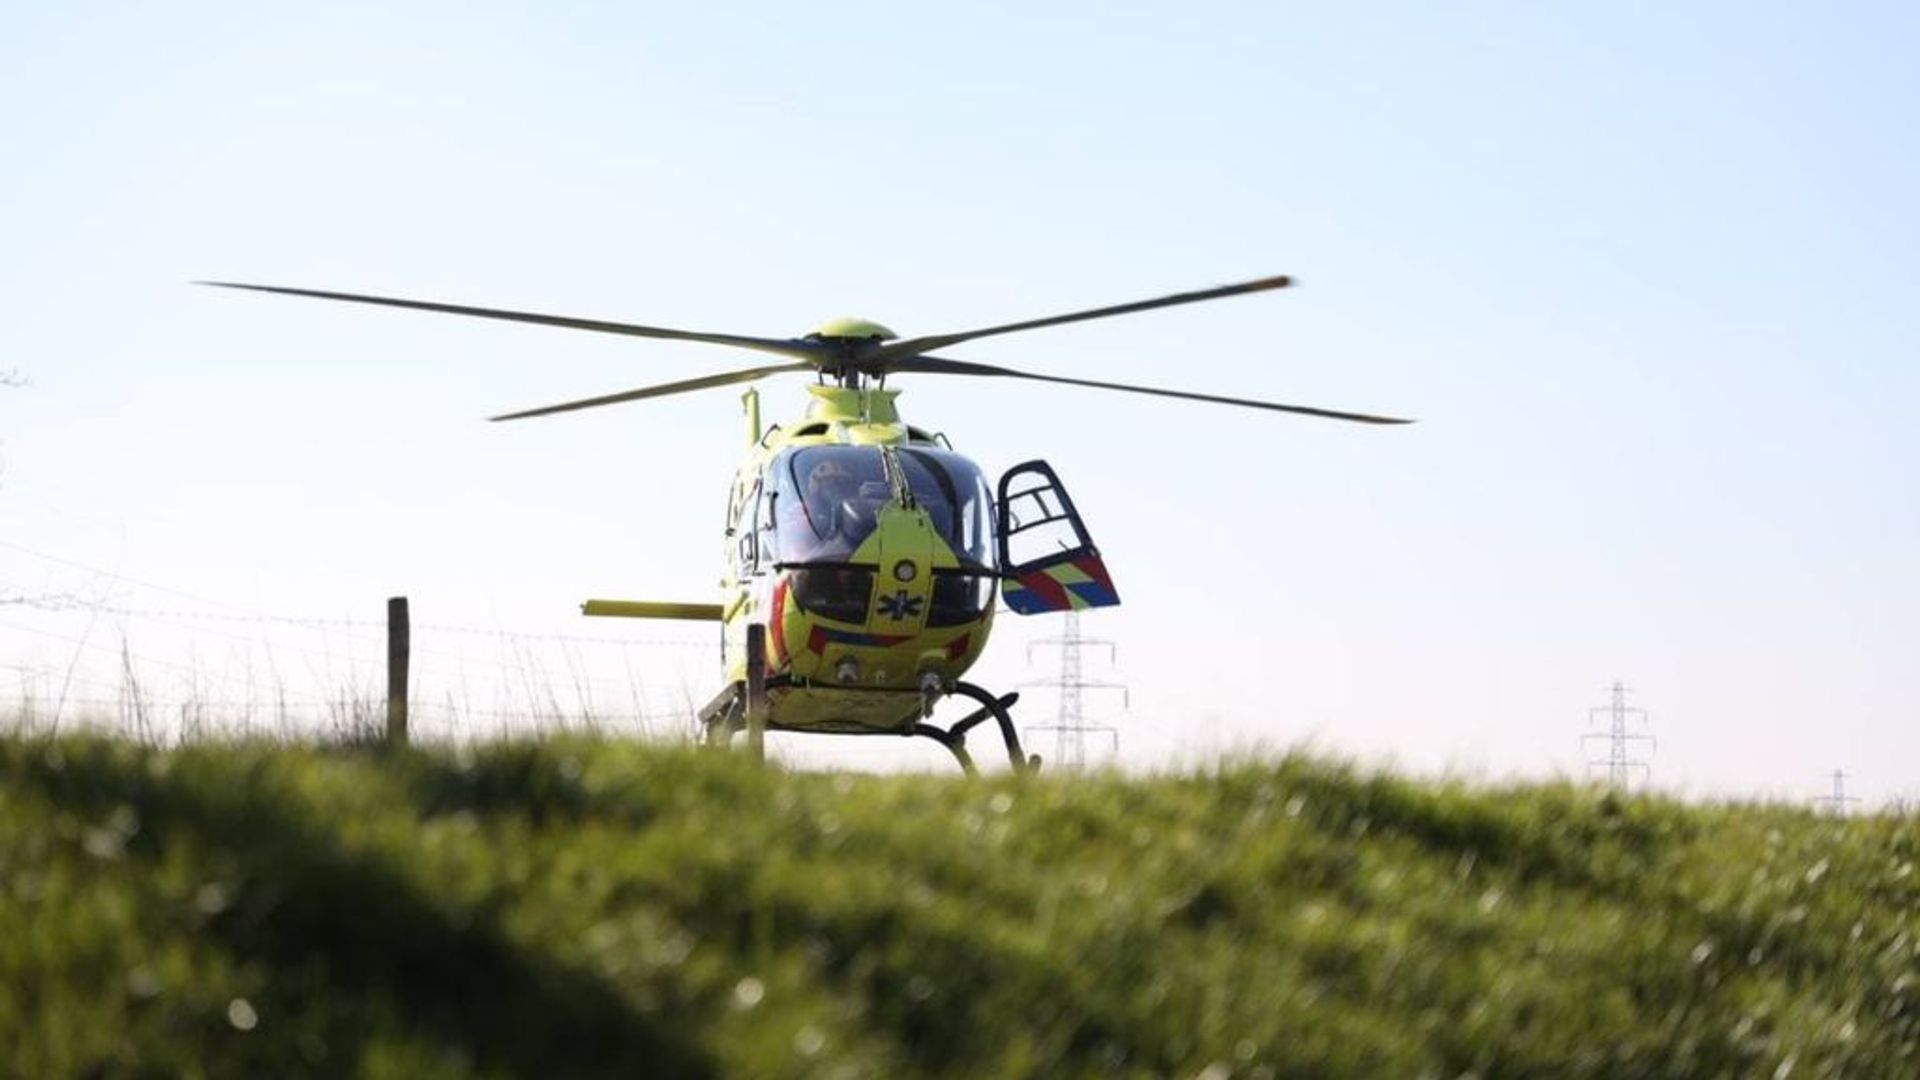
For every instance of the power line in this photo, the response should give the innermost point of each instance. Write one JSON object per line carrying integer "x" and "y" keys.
{"x": 1620, "y": 763}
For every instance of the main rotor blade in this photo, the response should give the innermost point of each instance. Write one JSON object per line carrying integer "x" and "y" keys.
{"x": 916, "y": 346}
{"x": 934, "y": 365}
{"x": 662, "y": 390}
{"x": 781, "y": 346}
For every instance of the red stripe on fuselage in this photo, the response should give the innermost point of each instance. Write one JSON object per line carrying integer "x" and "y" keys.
{"x": 778, "y": 627}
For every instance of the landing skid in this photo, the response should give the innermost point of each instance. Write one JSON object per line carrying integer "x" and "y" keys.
{"x": 733, "y": 712}
{"x": 955, "y": 738}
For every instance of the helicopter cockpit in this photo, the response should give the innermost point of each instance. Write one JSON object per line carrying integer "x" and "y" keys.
{"x": 827, "y": 500}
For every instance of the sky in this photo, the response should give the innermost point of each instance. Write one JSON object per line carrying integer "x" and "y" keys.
{"x": 1644, "y": 273}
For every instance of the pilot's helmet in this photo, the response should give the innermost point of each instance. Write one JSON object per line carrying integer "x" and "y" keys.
{"x": 831, "y": 480}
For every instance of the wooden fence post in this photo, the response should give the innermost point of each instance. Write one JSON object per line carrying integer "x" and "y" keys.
{"x": 399, "y": 653}
{"x": 756, "y": 691}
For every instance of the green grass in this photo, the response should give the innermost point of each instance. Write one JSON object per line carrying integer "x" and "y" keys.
{"x": 577, "y": 908}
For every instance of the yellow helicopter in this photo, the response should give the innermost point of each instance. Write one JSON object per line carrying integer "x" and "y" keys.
{"x": 864, "y": 554}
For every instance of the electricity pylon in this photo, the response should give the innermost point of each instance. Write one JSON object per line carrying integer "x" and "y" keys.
{"x": 1836, "y": 803}
{"x": 1071, "y": 729}
{"x": 1619, "y": 762}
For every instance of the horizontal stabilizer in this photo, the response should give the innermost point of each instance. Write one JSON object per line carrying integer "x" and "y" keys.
{"x": 652, "y": 609}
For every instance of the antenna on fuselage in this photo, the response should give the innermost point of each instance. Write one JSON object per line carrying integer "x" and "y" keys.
{"x": 750, "y": 401}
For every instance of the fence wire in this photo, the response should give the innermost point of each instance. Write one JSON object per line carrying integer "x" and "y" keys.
{"x": 122, "y": 653}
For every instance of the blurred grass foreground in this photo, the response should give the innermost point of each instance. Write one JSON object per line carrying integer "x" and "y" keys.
{"x": 585, "y": 908}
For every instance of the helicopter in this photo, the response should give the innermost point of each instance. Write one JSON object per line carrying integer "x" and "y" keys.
{"x": 865, "y": 555}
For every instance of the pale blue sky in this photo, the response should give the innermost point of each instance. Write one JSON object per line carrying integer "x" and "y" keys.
{"x": 1644, "y": 273}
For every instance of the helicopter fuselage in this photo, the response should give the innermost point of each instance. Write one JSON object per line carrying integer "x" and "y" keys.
{"x": 866, "y": 548}
{"x": 866, "y": 558}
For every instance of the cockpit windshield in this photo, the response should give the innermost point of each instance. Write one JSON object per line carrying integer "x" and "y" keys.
{"x": 952, "y": 491}
{"x": 827, "y": 498}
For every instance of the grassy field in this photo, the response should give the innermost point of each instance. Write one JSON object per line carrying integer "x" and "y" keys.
{"x": 580, "y": 908}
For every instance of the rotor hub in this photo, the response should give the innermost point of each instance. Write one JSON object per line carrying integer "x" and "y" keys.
{"x": 851, "y": 329}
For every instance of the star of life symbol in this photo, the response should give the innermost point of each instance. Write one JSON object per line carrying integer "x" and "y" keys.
{"x": 900, "y": 606}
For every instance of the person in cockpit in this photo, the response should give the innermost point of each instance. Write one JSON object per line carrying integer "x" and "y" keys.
{"x": 831, "y": 489}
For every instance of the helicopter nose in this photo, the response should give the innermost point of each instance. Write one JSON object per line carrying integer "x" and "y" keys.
{"x": 904, "y": 588}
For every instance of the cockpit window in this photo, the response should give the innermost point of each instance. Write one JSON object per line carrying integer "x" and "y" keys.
{"x": 827, "y": 499}
{"x": 952, "y": 491}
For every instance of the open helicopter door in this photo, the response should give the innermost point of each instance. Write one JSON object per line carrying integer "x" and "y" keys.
{"x": 1047, "y": 560}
